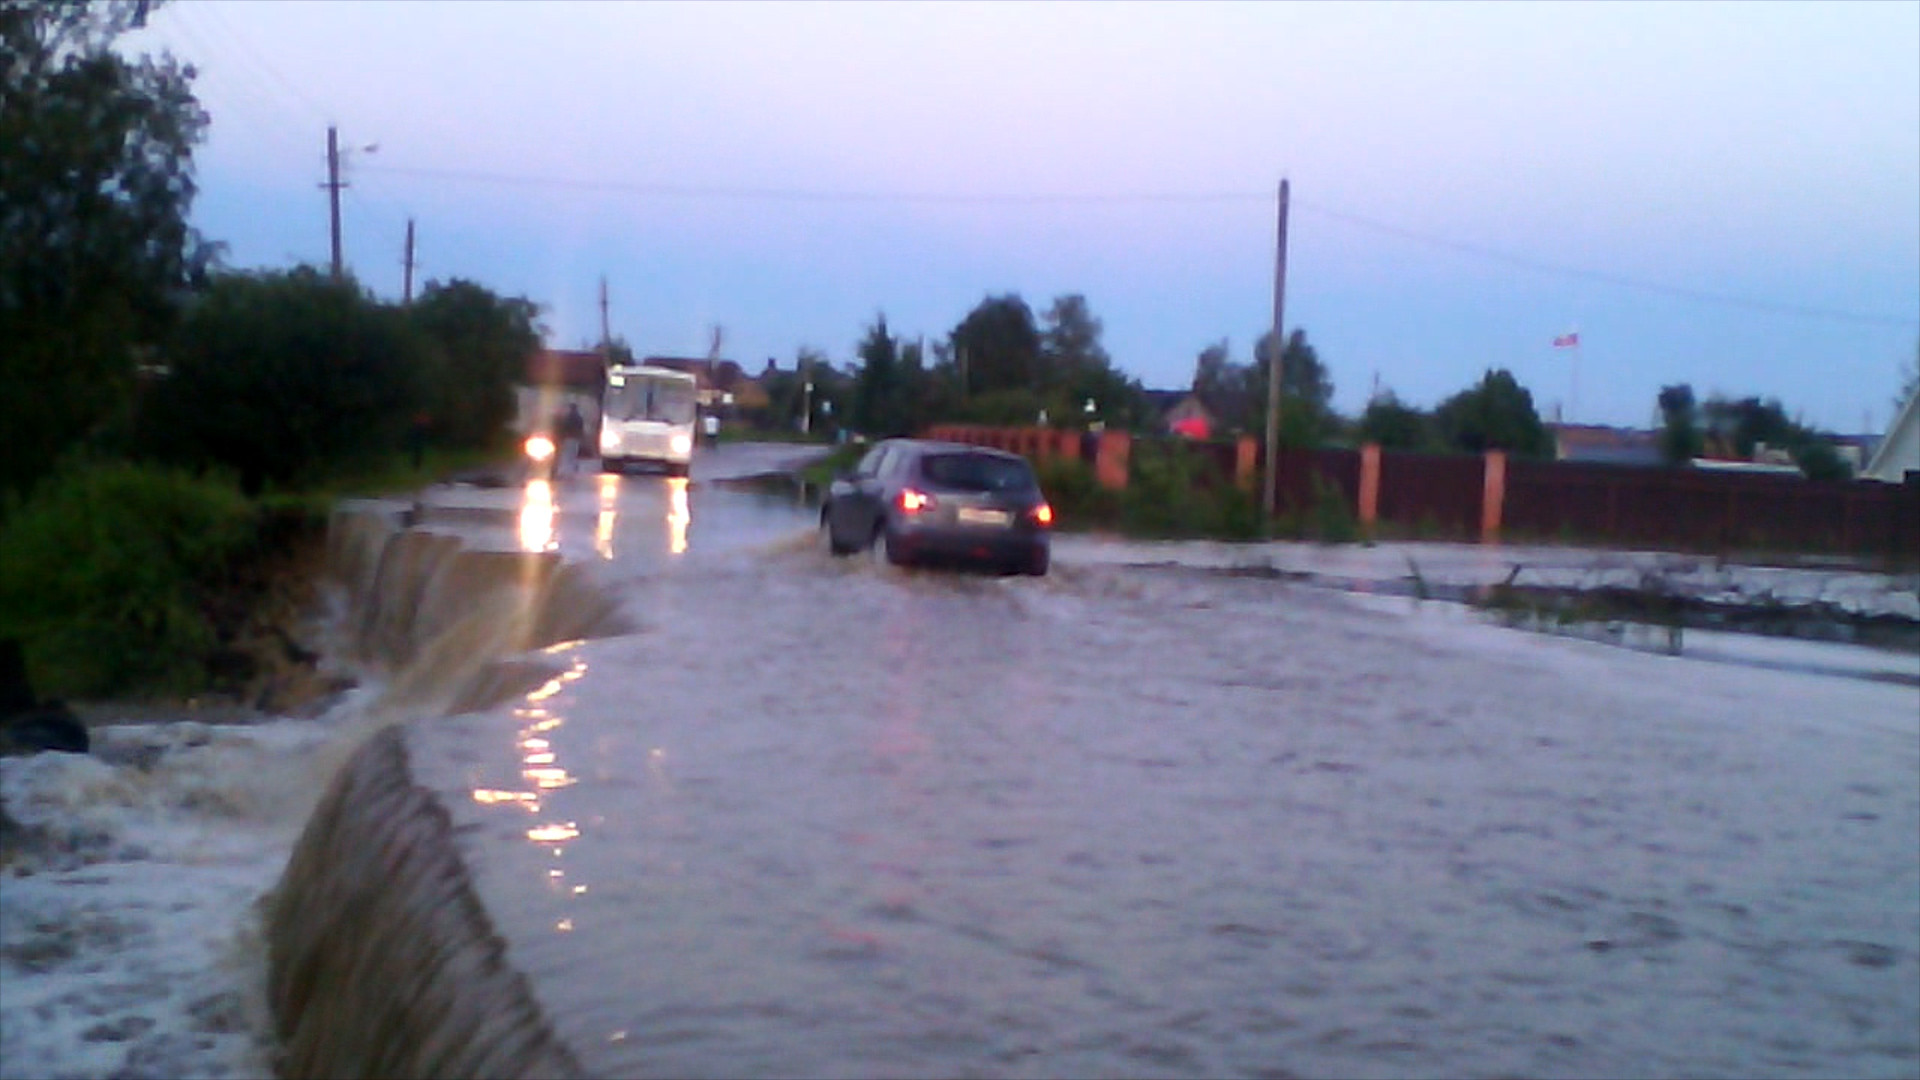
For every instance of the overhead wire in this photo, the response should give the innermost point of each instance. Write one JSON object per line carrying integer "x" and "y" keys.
{"x": 266, "y": 97}
{"x": 1458, "y": 247}
{"x": 1604, "y": 277}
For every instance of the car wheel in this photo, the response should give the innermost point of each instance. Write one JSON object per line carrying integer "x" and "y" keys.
{"x": 882, "y": 549}
{"x": 1037, "y": 563}
{"x": 834, "y": 547}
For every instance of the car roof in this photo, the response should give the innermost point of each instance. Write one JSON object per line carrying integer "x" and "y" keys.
{"x": 926, "y": 446}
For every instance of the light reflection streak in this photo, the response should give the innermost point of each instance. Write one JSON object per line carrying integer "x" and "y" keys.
{"x": 679, "y": 515}
{"x": 548, "y": 779}
{"x": 536, "y": 518}
{"x": 541, "y": 768}
{"x": 558, "y": 832}
{"x": 609, "y": 514}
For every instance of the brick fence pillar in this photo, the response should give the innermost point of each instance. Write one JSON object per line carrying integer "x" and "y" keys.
{"x": 1246, "y": 462}
{"x": 1110, "y": 467}
{"x": 1369, "y": 485}
{"x": 1493, "y": 496}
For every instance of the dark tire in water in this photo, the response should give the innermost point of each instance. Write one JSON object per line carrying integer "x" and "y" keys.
{"x": 883, "y": 551}
{"x": 834, "y": 547}
{"x": 1037, "y": 563}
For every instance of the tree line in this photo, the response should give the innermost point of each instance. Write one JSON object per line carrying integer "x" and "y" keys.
{"x": 123, "y": 335}
{"x": 122, "y": 332}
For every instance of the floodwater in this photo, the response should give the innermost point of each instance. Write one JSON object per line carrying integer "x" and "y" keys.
{"x": 815, "y": 817}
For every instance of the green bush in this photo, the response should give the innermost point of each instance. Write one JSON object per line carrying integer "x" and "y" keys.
{"x": 102, "y": 573}
{"x": 1333, "y": 520}
{"x": 288, "y": 379}
{"x": 1078, "y": 500}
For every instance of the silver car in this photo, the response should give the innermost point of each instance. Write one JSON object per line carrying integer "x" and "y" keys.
{"x": 915, "y": 501}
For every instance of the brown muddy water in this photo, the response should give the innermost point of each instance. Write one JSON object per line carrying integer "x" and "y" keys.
{"x": 748, "y": 810}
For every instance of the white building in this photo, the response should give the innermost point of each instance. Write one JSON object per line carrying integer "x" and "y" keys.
{"x": 1898, "y": 453}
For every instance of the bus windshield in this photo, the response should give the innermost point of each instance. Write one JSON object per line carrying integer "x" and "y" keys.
{"x": 650, "y": 397}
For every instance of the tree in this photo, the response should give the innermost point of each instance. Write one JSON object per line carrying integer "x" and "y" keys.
{"x": 1395, "y": 425}
{"x": 1221, "y": 384}
{"x": 997, "y": 347}
{"x": 1070, "y": 345}
{"x": 877, "y": 390}
{"x": 1498, "y": 414}
{"x": 1680, "y": 437}
{"x": 286, "y": 378}
{"x": 96, "y": 254}
{"x": 1737, "y": 428}
{"x": 1076, "y": 371}
{"x": 478, "y": 345}
{"x": 1236, "y": 394}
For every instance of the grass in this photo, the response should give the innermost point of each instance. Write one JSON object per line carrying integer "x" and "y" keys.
{"x": 821, "y": 472}
{"x": 112, "y": 577}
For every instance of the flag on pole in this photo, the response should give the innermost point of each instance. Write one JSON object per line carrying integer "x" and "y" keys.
{"x": 1567, "y": 341}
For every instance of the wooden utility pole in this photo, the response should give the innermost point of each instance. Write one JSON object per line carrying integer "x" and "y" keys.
{"x": 606, "y": 332}
{"x": 806, "y": 396}
{"x": 406, "y": 288}
{"x": 1276, "y": 365}
{"x": 333, "y": 186}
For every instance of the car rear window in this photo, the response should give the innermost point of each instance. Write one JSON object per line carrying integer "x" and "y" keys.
{"x": 977, "y": 472}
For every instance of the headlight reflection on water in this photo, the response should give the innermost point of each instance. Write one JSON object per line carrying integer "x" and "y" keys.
{"x": 542, "y": 771}
{"x": 679, "y": 515}
{"x": 609, "y": 514}
{"x": 536, "y": 518}
{"x": 539, "y": 516}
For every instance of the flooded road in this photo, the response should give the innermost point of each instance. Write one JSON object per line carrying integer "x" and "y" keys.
{"x": 1152, "y": 815}
{"x": 817, "y": 817}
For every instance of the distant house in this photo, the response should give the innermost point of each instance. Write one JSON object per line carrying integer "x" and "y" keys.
{"x": 554, "y": 378}
{"x": 1181, "y": 412}
{"x": 1899, "y": 453}
{"x": 1605, "y": 445}
{"x": 723, "y": 385}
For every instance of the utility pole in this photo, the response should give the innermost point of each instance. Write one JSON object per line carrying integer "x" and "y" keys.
{"x": 606, "y": 334}
{"x": 333, "y": 186}
{"x": 1276, "y": 365}
{"x": 806, "y": 396}
{"x": 406, "y": 288}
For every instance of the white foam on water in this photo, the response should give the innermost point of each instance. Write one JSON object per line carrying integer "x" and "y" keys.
{"x": 129, "y": 924}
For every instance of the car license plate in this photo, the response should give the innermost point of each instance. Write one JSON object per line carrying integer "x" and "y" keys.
{"x": 971, "y": 515}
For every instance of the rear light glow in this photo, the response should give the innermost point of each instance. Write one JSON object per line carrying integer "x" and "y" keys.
{"x": 1043, "y": 514}
{"x": 913, "y": 502}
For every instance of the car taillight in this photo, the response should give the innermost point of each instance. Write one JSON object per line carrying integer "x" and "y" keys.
{"x": 913, "y": 502}
{"x": 1042, "y": 515}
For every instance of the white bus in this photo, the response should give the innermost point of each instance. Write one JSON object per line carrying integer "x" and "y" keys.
{"x": 648, "y": 418}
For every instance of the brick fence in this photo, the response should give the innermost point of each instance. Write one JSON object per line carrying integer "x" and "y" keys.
{"x": 1488, "y": 496}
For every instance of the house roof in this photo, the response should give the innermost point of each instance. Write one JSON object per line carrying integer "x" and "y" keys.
{"x": 1899, "y": 451}
{"x": 575, "y": 368}
{"x": 1162, "y": 400}
{"x": 1599, "y": 443}
{"x": 724, "y": 375}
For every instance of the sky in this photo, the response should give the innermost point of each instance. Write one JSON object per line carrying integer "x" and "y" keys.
{"x": 1721, "y": 194}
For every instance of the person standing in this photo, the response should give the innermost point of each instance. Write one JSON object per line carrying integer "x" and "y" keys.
{"x": 572, "y": 431}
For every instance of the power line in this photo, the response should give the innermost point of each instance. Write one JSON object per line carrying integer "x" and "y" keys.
{"x": 251, "y": 54}
{"x": 1479, "y": 251}
{"x": 1604, "y": 277}
{"x": 682, "y": 191}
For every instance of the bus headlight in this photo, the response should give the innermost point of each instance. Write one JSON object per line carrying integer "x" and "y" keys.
{"x": 682, "y": 444}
